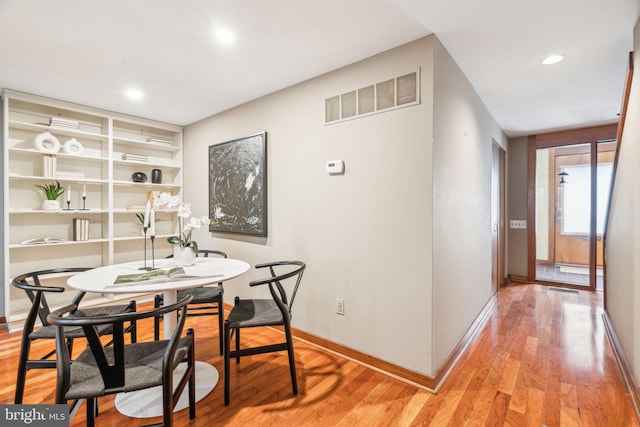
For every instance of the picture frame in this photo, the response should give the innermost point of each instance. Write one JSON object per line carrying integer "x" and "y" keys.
{"x": 238, "y": 186}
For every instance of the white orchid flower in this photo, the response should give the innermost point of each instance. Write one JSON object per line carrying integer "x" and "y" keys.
{"x": 187, "y": 222}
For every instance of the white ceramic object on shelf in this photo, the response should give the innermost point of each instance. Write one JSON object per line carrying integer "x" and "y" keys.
{"x": 46, "y": 142}
{"x": 183, "y": 256}
{"x": 72, "y": 146}
{"x": 51, "y": 205}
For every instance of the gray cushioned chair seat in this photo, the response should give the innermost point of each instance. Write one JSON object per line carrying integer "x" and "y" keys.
{"x": 49, "y": 332}
{"x": 143, "y": 368}
{"x": 255, "y": 312}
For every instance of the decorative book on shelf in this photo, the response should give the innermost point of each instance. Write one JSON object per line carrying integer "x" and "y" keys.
{"x": 44, "y": 241}
{"x": 80, "y": 229}
{"x": 49, "y": 166}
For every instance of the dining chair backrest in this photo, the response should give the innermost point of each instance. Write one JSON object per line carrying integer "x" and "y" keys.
{"x": 276, "y": 288}
{"x": 31, "y": 284}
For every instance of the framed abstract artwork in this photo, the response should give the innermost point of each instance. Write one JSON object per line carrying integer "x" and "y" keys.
{"x": 238, "y": 186}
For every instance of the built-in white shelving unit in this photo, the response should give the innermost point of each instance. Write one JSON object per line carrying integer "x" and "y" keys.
{"x": 94, "y": 164}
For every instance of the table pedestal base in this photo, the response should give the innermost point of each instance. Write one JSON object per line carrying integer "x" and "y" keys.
{"x": 148, "y": 403}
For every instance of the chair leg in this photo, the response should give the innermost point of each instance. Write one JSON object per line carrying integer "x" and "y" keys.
{"x": 292, "y": 360}
{"x": 226, "y": 370}
{"x": 237, "y": 332}
{"x": 134, "y": 326}
{"x": 91, "y": 411}
{"x": 156, "y": 319}
{"x": 25, "y": 346}
{"x": 192, "y": 379}
{"x": 221, "y": 323}
{"x": 167, "y": 402}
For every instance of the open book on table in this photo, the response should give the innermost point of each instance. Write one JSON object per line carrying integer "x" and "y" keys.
{"x": 169, "y": 275}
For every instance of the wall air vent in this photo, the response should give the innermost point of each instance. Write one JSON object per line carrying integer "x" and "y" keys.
{"x": 403, "y": 91}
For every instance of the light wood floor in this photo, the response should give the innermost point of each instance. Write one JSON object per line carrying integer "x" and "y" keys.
{"x": 542, "y": 359}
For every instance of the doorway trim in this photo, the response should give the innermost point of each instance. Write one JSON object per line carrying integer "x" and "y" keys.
{"x": 498, "y": 235}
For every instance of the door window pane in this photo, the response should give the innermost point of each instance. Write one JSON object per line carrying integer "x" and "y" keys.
{"x": 576, "y": 198}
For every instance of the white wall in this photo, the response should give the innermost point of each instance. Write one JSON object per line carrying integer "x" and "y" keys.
{"x": 462, "y": 155}
{"x": 623, "y": 232}
{"x": 404, "y": 236}
{"x": 365, "y": 236}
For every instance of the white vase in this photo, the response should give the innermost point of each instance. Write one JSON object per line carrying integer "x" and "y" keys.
{"x": 50, "y": 205}
{"x": 183, "y": 256}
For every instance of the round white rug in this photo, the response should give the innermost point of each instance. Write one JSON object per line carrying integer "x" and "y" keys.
{"x": 148, "y": 403}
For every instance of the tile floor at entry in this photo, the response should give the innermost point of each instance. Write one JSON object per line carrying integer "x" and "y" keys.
{"x": 564, "y": 273}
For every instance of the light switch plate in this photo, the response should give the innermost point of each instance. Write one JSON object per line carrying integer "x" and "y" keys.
{"x": 518, "y": 223}
{"x": 335, "y": 167}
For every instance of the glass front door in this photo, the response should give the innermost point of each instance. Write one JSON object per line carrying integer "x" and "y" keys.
{"x": 571, "y": 203}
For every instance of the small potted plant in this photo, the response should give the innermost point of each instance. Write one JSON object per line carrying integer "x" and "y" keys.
{"x": 51, "y": 192}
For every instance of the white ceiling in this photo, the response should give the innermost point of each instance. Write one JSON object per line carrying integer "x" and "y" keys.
{"x": 90, "y": 52}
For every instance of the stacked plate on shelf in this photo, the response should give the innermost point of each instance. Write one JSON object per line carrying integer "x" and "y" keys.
{"x": 135, "y": 157}
{"x": 61, "y": 122}
{"x": 159, "y": 140}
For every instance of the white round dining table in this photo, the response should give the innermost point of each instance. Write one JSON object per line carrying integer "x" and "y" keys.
{"x": 148, "y": 403}
{"x": 205, "y": 271}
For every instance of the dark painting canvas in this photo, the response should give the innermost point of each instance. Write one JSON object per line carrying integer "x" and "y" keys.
{"x": 237, "y": 185}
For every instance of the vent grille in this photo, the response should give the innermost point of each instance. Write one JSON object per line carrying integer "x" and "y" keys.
{"x": 387, "y": 95}
{"x": 568, "y": 291}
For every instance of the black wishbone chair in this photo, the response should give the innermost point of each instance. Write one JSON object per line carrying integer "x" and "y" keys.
{"x": 207, "y": 300}
{"x": 251, "y": 313}
{"x": 99, "y": 370}
{"x": 31, "y": 283}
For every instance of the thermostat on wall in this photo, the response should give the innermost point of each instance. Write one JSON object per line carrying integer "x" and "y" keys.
{"x": 335, "y": 167}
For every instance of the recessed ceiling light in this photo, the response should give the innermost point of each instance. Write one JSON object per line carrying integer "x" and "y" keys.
{"x": 224, "y": 36}
{"x": 552, "y": 59}
{"x": 134, "y": 94}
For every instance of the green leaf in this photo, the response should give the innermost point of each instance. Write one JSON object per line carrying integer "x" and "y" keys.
{"x": 175, "y": 240}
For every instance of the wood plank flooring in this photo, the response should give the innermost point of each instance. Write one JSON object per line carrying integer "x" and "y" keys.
{"x": 542, "y": 359}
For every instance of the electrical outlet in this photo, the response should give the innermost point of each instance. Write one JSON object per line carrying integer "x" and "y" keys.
{"x": 340, "y": 306}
